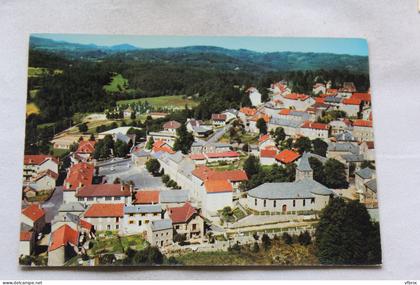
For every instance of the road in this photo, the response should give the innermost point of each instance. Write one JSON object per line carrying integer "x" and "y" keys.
{"x": 219, "y": 133}
{"x": 51, "y": 206}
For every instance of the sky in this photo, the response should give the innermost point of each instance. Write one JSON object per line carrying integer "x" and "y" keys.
{"x": 350, "y": 46}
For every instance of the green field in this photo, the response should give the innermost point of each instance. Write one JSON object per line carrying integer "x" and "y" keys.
{"x": 118, "y": 84}
{"x": 176, "y": 101}
{"x": 40, "y": 71}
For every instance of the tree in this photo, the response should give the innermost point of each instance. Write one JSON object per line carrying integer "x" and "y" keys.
{"x": 266, "y": 241}
{"x": 255, "y": 247}
{"x": 92, "y": 137}
{"x": 345, "y": 235}
{"x": 251, "y": 165}
{"x": 82, "y": 128}
{"x": 335, "y": 174}
{"x": 304, "y": 238}
{"x": 279, "y": 135}
{"x": 303, "y": 144}
{"x": 318, "y": 169}
{"x": 262, "y": 126}
{"x": 150, "y": 143}
{"x": 165, "y": 178}
{"x": 319, "y": 147}
{"x": 287, "y": 238}
{"x": 367, "y": 163}
{"x": 133, "y": 115}
{"x": 153, "y": 166}
{"x": 121, "y": 149}
{"x": 184, "y": 140}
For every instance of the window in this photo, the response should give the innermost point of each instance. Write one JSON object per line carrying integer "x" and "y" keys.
{"x": 265, "y": 203}
{"x": 177, "y": 227}
{"x": 131, "y": 222}
{"x": 108, "y": 227}
{"x": 155, "y": 214}
{"x": 255, "y": 202}
{"x": 143, "y": 214}
{"x": 90, "y": 198}
{"x": 274, "y": 203}
{"x": 139, "y": 223}
{"x": 117, "y": 219}
{"x": 294, "y": 203}
{"x": 312, "y": 200}
{"x": 108, "y": 198}
{"x": 194, "y": 226}
{"x": 157, "y": 235}
{"x": 80, "y": 199}
{"x": 131, "y": 215}
{"x": 117, "y": 198}
{"x": 117, "y": 227}
{"x": 146, "y": 221}
{"x": 304, "y": 202}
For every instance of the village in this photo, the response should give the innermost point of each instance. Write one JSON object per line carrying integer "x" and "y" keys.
{"x": 199, "y": 186}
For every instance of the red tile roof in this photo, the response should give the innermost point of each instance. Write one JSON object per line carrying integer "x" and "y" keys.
{"x": 331, "y": 91}
{"x": 314, "y": 125}
{"x": 217, "y": 186}
{"x": 86, "y": 147}
{"x": 218, "y": 117}
{"x": 248, "y": 111}
{"x": 80, "y": 174}
{"x": 160, "y": 145}
{"x": 362, "y": 96}
{"x": 171, "y": 125}
{"x": 104, "y": 190}
{"x": 285, "y": 112}
{"x": 362, "y": 123}
{"x": 182, "y": 214}
{"x": 320, "y": 100}
{"x": 25, "y": 236}
{"x": 287, "y": 156}
{"x": 62, "y": 236}
{"x": 105, "y": 210}
{"x": 205, "y": 173}
{"x": 33, "y": 212}
{"x": 85, "y": 225}
{"x": 37, "y": 159}
{"x": 261, "y": 116}
{"x": 222, "y": 154}
{"x": 352, "y": 101}
{"x": 197, "y": 156}
{"x": 147, "y": 197}
{"x": 296, "y": 96}
{"x": 268, "y": 153}
{"x": 263, "y": 138}
{"x": 202, "y": 172}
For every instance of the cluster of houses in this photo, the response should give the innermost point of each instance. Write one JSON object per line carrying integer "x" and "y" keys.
{"x": 91, "y": 205}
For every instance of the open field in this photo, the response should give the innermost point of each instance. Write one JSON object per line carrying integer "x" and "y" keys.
{"x": 31, "y": 108}
{"x": 176, "y": 101}
{"x": 40, "y": 71}
{"x": 118, "y": 84}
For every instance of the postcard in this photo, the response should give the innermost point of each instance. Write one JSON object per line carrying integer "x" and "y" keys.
{"x": 193, "y": 150}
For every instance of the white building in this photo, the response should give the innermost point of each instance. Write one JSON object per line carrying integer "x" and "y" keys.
{"x": 314, "y": 130}
{"x": 137, "y": 218}
{"x": 254, "y": 96}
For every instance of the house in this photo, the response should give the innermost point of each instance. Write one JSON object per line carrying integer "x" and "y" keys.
{"x": 85, "y": 150}
{"x": 351, "y": 106}
{"x": 339, "y": 126}
{"x": 128, "y": 112}
{"x": 319, "y": 88}
{"x": 287, "y": 156}
{"x": 168, "y": 137}
{"x": 346, "y": 90}
{"x": 314, "y": 130}
{"x": 222, "y": 156}
{"x": 105, "y": 217}
{"x": 79, "y": 175}
{"x": 161, "y": 145}
{"x": 63, "y": 245}
{"x": 345, "y": 136}
{"x": 363, "y": 130}
{"x": 120, "y": 133}
{"x": 218, "y": 120}
{"x": 364, "y": 97}
{"x": 160, "y": 233}
{"x": 231, "y": 114}
{"x": 186, "y": 221}
{"x": 280, "y": 88}
{"x": 297, "y": 101}
{"x": 157, "y": 115}
{"x": 245, "y": 113}
{"x": 267, "y": 156}
{"x": 34, "y": 216}
{"x": 27, "y": 240}
{"x": 254, "y": 96}
{"x": 265, "y": 141}
{"x": 367, "y": 149}
{"x": 64, "y": 141}
{"x": 294, "y": 115}
{"x": 192, "y": 123}
{"x": 285, "y": 197}
{"x": 33, "y": 165}
{"x": 272, "y": 107}
{"x": 137, "y": 217}
{"x": 338, "y": 149}
{"x": 45, "y": 181}
{"x": 104, "y": 193}
{"x": 172, "y": 198}
{"x": 217, "y": 194}
{"x": 365, "y": 181}
{"x": 291, "y": 127}
{"x": 171, "y": 126}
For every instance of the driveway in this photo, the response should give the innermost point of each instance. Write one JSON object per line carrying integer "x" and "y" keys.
{"x": 51, "y": 206}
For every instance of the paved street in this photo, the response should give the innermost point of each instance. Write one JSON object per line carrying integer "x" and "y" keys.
{"x": 51, "y": 206}
{"x": 219, "y": 133}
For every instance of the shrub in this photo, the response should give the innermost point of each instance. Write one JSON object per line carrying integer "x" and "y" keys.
{"x": 287, "y": 238}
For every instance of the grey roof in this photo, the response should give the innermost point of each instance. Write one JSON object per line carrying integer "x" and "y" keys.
{"x": 141, "y": 153}
{"x": 344, "y": 147}
{"x": 159, "y": 225}
{"x": 345, "y": 136}
{"x": 353, "y": 157}
{"x": 198, "y": 143}
{"x": 66, "y": 217}
{"x": 365, "y": 173}
{"x": 290, "y": 190}
{"x": 285, "y": 122}
{"x": 71, "y": 207}
{"x": 142, "y": 209}
{"x": 25, "y": 227}
{"x": 304, "y": 115}
{"x": 232, "y": 111}
{"x": 332, "y": 99}
{"x": 371, "y": 184}
{"x": 173, "y": 196}
{"x": 201, "y": 129}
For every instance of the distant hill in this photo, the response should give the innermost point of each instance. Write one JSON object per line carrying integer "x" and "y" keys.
{"x": 208, "y": 57}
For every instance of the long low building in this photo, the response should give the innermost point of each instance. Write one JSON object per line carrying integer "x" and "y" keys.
{"x": 302, "y": 195}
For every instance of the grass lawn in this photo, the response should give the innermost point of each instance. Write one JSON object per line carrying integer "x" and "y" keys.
{"x": 31, "y": 108}
{"x": 118, "y": 84}
{"x": 57, "y": 152}
{"x": 248, "y": 138}
{"x": 278, "y": 254}
{"x": 112, "y": 243}
{"x": 176, "y": 101}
